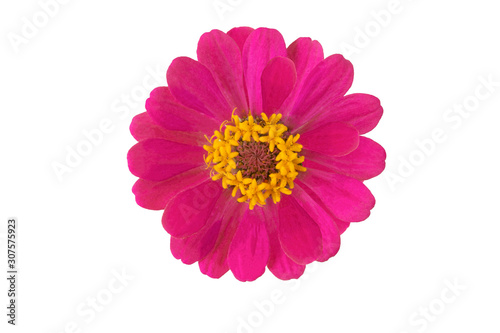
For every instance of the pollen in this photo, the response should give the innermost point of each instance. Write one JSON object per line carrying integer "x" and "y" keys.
{"x": 256, "y": 157}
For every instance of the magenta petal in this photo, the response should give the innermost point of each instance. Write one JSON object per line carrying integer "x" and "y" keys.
{"x": 240, "y": 35}
{"x": 215, "y": 263}
{"x": 279, "y": 263}
{"x": 193, "y": 85}
{"x": 299, "y": 235}
{"x": 188, "y": 211}
{"x": 221, "y": 55}
{"x": 327, "y": 82}
{"x": 278, "y": 80}
{"x": 363, "y": 111}
{"x": 346, "y": 198}
{"x": 306, "y": 54}
{"x": 197, "y": 246}
{"x": 155, "y": 195}
{"x": 167, "y": 112}
{"x": 342, "y": 225}
{"x": 261, "y": 46}
{"x": 158, "y": 159}
{"x": 330, "y": 233}
{"x": 143, "y": 127}
{"x": 365, "y": 162}
{"x": 249, "y": 250}
{"x": 333, "y": 139}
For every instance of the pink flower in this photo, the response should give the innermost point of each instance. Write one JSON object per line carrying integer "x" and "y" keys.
{"x": 255, "y": 154}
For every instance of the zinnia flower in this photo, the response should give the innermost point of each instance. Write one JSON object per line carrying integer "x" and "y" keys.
{"x": 255, "y": 154}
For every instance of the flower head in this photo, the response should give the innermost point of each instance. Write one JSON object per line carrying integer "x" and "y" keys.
{"x": 256, "y": 155}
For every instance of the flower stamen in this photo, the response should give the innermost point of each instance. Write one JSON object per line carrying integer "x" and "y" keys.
{"x": 243, "y": 154}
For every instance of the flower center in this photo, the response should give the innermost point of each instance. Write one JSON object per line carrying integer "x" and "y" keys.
{"x": 243, "y": 154}
{"x": 255, "y": 160}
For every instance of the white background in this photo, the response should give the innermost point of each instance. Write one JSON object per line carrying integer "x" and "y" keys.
{"x": 435, "y": 225}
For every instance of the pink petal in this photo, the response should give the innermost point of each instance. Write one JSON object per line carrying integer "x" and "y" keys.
{"x": 221, "y": 55}
{"x": 249, "y": 250}
{"x": 240, "y": 35}
{"x": 365, "y": 162}
{"x": 215, "y": 263}
{"x": 155, "y": 195}
{"x": 327, "y": 82}
{"x": 363, "y": 111}
{"x": 168, "y": 113}
{"x": 330, "y": 233}
{"x": 346, "y": 198}
{"x": 278, "y": 80}
{"x": 333, "y": 139}
{"x": 279, "y": 263}
{"x": 188, "y": 211}
{"x": 342, "y": 225}
{"x": 143, "y": 127}
{"x": 299, "y": 235}
{"x": 196, "y": 247}
{"x": 306, "y": 54}
{"x": 158, "y": 159}
{"x": 261, "y": 46}
{"x": 192, "y": 84}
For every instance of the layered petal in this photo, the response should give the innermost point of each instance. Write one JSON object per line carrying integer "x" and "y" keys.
{"x": 362, "y": 111}
{"x": 158, "y": 159}
{"x": 365, "y": 162}
{"x": 189, "y": 211}
{"x": 240, "y": 35}
{"x": 193, "y": 85}
{"x": 330, "y": 233}
{"x": 306, "y": 54}
{"x": 346, "y": 198}
{"x": 279, "y": 263}
{"x": 171, "y": 115}
{"x": 299, "y": 235}
{"x": 262, "y": 45}
{"x": 333, "y": 139}
{"x": 195, "y": 247}
{"x": 327, "y": 82}
{"x": 249, "y": 250}
{"x": 143, "y": 127}
{"x": 342, "y": 225}
{"x": 155, "y": 194}
{"x": 221, "y": 55}
{"x": 198, "y": 245}
{"x": 215, "y": 263}
{"x": 278, "y": 80}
